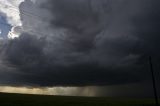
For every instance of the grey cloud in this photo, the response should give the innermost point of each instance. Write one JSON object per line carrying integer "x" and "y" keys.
{"x": 35, "y": 67}
{"x": 101, "y": 43}
{"x": 81, "y": 19}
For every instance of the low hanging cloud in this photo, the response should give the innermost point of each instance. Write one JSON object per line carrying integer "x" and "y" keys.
{"x": 82, "y": 43}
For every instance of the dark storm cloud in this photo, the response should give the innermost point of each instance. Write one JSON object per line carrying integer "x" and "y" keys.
{"x": 105, "y": 42}
{"x": 147, "y": 29}
{"x": 81, "y": 18}
{"x": 34, "y": 67}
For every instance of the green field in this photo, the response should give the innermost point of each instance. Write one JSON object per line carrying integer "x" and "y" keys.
{"x": 41, "y": 100}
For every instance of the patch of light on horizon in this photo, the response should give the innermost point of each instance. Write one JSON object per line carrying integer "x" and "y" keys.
{"x": 66, "y": 91}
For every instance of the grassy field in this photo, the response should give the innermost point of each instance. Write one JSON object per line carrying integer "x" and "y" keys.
{"x": 41, "y": 100}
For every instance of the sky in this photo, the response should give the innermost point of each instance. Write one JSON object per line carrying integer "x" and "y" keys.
{"x": 4, "y": 27}
{"x": 101, "y": 47}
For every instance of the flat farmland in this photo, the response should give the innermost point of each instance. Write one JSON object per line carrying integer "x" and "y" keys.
{"x": 7, "y": 99}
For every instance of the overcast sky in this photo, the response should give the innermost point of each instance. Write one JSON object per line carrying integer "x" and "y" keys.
{"x": 77, "y": 43}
